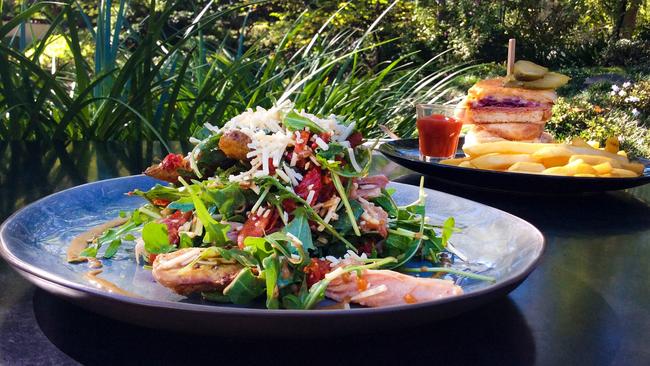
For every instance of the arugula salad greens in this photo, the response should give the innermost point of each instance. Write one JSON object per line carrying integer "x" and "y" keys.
{"x": 278, "y": 204}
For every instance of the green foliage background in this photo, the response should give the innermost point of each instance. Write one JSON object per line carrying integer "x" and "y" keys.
{"x": 159, "y": 70}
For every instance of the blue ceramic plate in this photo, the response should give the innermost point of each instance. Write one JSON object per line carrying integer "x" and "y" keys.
{"x": 34, "y": 241}
{"x": 405, "y": 152}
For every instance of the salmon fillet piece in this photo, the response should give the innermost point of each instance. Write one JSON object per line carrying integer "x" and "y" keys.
{"x": 376, "y": 288}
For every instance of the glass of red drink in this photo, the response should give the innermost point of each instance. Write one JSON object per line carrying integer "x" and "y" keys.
{"x": 438, "y": 129}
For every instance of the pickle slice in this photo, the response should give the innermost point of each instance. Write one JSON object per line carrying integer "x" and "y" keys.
{"x": 529, "y": 71}
{"x": 552, "y": 80}
{"x": 510, "y": 82}
{"x": 513, "y": 84}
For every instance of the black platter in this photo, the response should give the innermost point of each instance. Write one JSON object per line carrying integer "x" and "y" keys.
{"x": 405, "y": 152}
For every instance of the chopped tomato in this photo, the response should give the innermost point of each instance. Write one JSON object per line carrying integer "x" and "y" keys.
{"x": 289, "y": 205}
{"x": 328, "y": 189}
{"x": 300, "y": 162}
{"x": 152, "y": 258}
{"x": 316, "y": 270}
{"x": 173, "y": 222}
{"x": 172, "y": 162}
{"x": 310, "y": 182}
{"x": 323, "y": 136}
{"x": 160, "y": 202}
{"x": 355, "y": 139}
{"x": 302, "y": 143}
{"x": 271, "y": 167}
{"x": 257, "y": 226}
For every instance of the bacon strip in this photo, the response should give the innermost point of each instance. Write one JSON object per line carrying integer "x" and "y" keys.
{"x": 368, "y": 187}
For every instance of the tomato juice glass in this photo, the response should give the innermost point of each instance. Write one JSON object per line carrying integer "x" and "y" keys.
{"x": 439, "y": 130}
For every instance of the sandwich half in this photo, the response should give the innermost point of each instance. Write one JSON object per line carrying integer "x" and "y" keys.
{"x": 507, "y": 113}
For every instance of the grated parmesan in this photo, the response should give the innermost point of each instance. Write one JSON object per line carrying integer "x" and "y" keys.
{"x": 353, "y": 160}
{"x": 183, "y": 259}
{"x": 369, "y": 292}
{"x": 322, "y": 144}
{"x": 283, "y": 175}
{"x": 310, "y": 197}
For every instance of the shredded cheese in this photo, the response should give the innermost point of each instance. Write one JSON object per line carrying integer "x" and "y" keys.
{"x": 369, "y": 292}
{"x": 283, "y": 175}
{"x": 322, "y": 144}
{"x": 182, "y": 259}
{"x": 294, "y": 159}
{"x": 335, "y": 273}
{"x": 310, "y": 196}
{"x": 353, "y": 160}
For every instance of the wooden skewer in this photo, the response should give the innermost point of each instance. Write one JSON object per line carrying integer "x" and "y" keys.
{"x": 388, "y": 132}
{"x": 511, "y": 56}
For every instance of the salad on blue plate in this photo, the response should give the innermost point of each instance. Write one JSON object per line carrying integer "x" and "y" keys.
{"x": 277, "y": 204}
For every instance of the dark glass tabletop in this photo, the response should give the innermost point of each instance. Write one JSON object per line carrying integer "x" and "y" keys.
{"x": 588, "y": 303}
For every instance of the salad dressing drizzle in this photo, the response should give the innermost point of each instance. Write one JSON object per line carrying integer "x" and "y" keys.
{"x": 103, "y": 284}
{"x": 80, "y": 242}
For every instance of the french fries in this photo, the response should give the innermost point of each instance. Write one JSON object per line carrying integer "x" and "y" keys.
{"x": 552, "y": 156}
{"x": 603, "y": 168}
{"x": 527, "y": 167}
{"x": 578, "y": 158}
{"x": 623, "y": 173}
{"x": 595, "y": 160}
{"x": 580, "y": 142}
{"x": 503, "y": 147}
{"x": 500, "y": 161}
{"x": 455, "y": 161}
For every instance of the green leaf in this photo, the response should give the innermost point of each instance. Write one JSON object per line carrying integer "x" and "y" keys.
{"x": 155, "y": 238}
{"x": 295, "y": 122}
{"x": 397, "y": 244}
{"x": 346, "y": 203}
{"x": 183, "y": 204}
{"x": 215, "y": 232}
{"x": 244, "y": 258}
{"x": 161, "y": 192}
{"x": 344, "y": 224}
{"x": 271, "y": 273}
{"x": 216, "y": 296}
{"x": 228, "y": 199}
{"x": 245, "y": 288}
{"x": 363, "y": 157}
{"x": 112, "y": 248}
{"x": 448, "y": 229}
{"x": 90, "y": 251}
{"x": 299, "y": 227}
{"x": 334, "y": 151}
{"x": 296, "y": 302}
{"x": 114, "y": 237}
{"x": 386, "y": 202}
{"x": 185, "y": 241}
{"x": 259, "y": 247}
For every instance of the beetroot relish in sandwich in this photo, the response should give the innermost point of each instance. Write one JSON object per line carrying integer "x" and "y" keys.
{"x": 500, "y": 113}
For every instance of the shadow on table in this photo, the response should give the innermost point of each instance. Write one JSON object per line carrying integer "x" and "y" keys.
{"x": 569, "y": 215}
{"x": 494, "y": 334}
